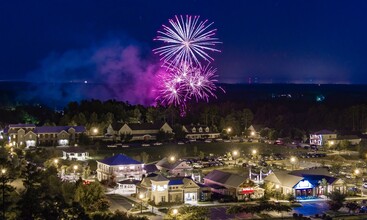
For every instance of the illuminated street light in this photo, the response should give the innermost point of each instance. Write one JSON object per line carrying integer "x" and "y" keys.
{"x": 293, "y": 161}
{"x": 172, "y": 158}
{"x": 254, "y": 152}
{"x": 234, "y": 154}
{"x": 141, "y": 197}
{"x": 3, "y": 171}
{"x": 174, "y": 211}
{"x": 229, "y": 130}
{"x": 95, "y": 131}
{"x": 56, "y": 161}
{"x": 357, "y": 172}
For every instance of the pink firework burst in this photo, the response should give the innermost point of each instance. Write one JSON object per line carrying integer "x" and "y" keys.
{"x": 187, "y": 41}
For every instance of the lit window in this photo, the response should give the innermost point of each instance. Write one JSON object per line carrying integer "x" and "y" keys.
{"x": 132, "y": 167}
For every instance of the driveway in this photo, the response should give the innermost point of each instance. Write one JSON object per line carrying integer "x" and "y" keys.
{"x": 118, "y": 202}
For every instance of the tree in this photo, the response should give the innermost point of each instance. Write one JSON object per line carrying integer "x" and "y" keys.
{"x": 91, "y": 197}
{"x": 188, "y": 212}
{"x": 336, "y": 200}
{"x": 8, "y": 190}
{"x": 247, "y": 117}
{"x": 324, "y": 184}
{"x": 352, "y": 206}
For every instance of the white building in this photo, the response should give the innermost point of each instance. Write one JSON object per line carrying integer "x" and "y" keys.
{"x": 75, "y": 153}
{"x": 139, "y": 131}
{"x": 126, "y": 187}
{"x": 199, "y": 132}
{"x": 320, "y": 138}
{"x": 118, "y": 168}
{"x": 160, "y": 189}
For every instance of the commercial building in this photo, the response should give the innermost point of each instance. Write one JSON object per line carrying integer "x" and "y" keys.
{"x": 118, "y": 168}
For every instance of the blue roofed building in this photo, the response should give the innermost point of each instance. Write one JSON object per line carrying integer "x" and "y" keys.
{"x": 120, "y": 167}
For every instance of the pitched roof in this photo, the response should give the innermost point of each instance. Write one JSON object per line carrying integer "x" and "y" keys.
{"x": 129, "y": 181}
{"x": 167, "y": 164}
{"x": 22, "y": 125}
{"x": 175, "y": 182}
{"x": 145, "y": 126}
{"x": 225, "y": 178}
{"x": 58, "y": 129}
{"x": 150, "y": 168}
{"x": 158, "y": 177}
{"x": 74, "y": 150}
{"x": 283, "y": 178}
{"x": 119, "y": 159}
{"x": 324, "y": 132}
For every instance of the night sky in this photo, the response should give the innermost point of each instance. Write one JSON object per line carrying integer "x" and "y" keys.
{"x": 293, "y": 41}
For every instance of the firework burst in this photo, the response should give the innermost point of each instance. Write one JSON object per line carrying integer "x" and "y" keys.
{"x": 188, "y": 40}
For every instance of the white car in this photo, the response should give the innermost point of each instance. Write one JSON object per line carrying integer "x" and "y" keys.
{"x": 145, "y": 145}
{"x": 365, "y": 185}
{"x": 125, "y": 145}
{"x": 157, "y": 144}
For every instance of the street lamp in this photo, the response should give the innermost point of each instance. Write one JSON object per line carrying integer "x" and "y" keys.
{"x": 75, "y": 167}
{"x": 141, "y": 196}
{"x": 293, "y": 161}
{"x": 172, "y": 158}
{"x": 174, "y": 213}
{"x": 3, "y": 171}
{"x": 235, "y": 153}
{"x": 276, "y": 191}
{"x": 56, "y": 161}
{"x": 95, "y": 131}
{"x": 357, "y": 172}
{"x": 254, "y": 152}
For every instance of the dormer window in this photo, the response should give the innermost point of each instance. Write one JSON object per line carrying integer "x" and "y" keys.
{"x": 207, "y": 129}
{"x": 193, "y": 130}
{"x": 200, "y": 129}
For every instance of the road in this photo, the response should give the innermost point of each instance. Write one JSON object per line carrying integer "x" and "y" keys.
{"x": 118, "y": 202}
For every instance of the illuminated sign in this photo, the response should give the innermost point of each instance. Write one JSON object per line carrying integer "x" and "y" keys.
{"x": 247, "y": 190}
{"x": 304, "y": 184}
{"x": 159, "y": 188}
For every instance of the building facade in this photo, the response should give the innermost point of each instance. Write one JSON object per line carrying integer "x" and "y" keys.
{"x": 159, "y": 189}
{"x": 118, "y": 168}
{"x": 320, "y": 138}
{"x": 305, "y": 183}
{"x": 26, "y": 135}
{"x": 194, "y": 132}
{"x": 75, "y": 153}
{"x": 233, "y": 185}
{"x": 138, "y": 131}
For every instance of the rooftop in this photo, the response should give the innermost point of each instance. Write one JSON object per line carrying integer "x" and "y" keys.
{"x": 119, "y": 159}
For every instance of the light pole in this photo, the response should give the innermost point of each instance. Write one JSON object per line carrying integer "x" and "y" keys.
{"x": 356, "y": 173}
{"x": 229, "y": 130}
{"x": 254, "y": 152}
{"x": 172, "y": 159}
{"x": 75, "y": 167}
{"x": 293, "y": 161}
{"x": 3, "y": 171}
{"x": 276, "y": 191}
{"x": 235, "y": 153}
{"x": 174, "y": 213}
{"x": 141, "y": 196}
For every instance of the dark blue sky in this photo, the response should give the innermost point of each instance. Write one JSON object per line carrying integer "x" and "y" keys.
{"x": 296, "y": 41}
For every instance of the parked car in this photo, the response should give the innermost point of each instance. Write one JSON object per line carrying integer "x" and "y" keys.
{"x": 125, "y": 145}
{"x": 364, "y": 185}
{"x": 145, "y": 145}
{"x": 157, "y": 143}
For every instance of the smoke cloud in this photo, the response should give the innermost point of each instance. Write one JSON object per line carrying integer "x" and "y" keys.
{"x": 110, "y": 70}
